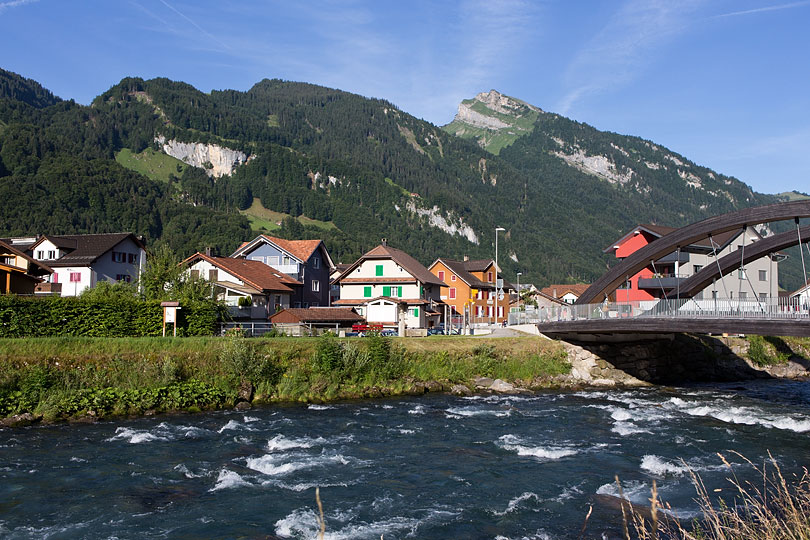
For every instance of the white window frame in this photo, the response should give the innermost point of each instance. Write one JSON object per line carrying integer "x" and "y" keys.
{"x": 316, "y": 285}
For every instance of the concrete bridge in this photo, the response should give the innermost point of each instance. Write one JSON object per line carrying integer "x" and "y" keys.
{"x": 681, "y": 311}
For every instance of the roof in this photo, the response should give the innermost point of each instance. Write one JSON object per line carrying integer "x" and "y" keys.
{"x": 253, "y": 273}
{"x": 84, "y": 249}
{"x": 43, "y": 268}
{"x": 317, "y": 314}
{"x": 411, "y": 265}
{"x": 478, "y": 265}
{"x": 300, "y": 249}
{"x": 393, "y": 299}
{"x": 720, "y": 240}
{"x": 459, "y": 268}
{"x": 576, "y": 289}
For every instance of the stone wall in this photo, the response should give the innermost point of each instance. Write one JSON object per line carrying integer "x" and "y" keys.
{"x": 670, "y": 360}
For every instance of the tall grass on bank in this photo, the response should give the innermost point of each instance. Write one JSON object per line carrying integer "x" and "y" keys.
{"x": 64, "y": 377}
{"x": 773, "y": 508}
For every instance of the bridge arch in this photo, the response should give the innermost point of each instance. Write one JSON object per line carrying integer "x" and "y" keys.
{"x": 684, "y": 236}
{"x": 761, "y": 248}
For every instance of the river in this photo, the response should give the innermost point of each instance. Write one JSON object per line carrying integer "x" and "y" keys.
{"x": 438, "y": 466}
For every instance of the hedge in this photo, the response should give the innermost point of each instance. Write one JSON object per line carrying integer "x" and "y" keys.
{"x": 122, "y": 317}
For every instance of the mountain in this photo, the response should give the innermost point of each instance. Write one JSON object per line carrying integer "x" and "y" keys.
{"x": 194, "y": 169}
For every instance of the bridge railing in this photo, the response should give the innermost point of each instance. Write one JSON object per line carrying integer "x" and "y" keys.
{"x": 711, "y": 308}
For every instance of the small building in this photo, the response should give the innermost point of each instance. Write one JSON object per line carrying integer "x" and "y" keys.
{"x": 306, "y": 261}
{"x": 20, "y": 273}
{"x": 80, "y": 261}
{"x": 334, "y": 288}
{"x": 300, "y": 321}
{"x": 251, "y": 289}
{"x": 390, "y": 288}
{"x": 568, "y": 293}
{"x": 801, "y": 296}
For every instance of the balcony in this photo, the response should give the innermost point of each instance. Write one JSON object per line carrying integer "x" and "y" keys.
{"x": 662, "y": 281}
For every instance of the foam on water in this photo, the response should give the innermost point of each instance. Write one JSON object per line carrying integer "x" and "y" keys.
{"x": 419, "y": 409}
{"x": 229, "y": 479}
{"x": 317, "y": 407}
{"x": 250, "y": 419}
{"x": 187, "y": 473}
{"x": 633, "y": 491}
{"x": 304, "y": 523}
{"x": 136, "y": 436}
{"x": 749, "y": 416}
{"x": 660, "y": 467}
{"x": 515, "y": 444}
{"x": 280, "y": 443}
{"x": 524, "y": 500}
{"x": 279, "y": 465}
{"x": 232, "y": 424}
{"x": 627, "y": 428}
{"x": 459, "y": 412}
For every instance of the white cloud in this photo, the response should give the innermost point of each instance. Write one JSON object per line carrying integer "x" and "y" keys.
{"x": 14, "y": 3}
{"x": 765, "y": 9}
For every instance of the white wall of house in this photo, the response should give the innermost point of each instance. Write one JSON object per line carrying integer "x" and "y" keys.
{"x": 356, "y": 291}
{"x": 390, "y": 269}
{"x": 74, "y": 280}
{"x": 231, "y": 298}
{"x": 47, "y": 251}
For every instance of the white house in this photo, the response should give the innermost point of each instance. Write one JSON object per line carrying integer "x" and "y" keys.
{"x": 80, "y": 261}
{"x": 390, "y": 288}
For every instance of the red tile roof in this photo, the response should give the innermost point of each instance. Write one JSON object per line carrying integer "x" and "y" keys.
{"x": 302, "y": 249}
{"x": 316, "y": 314}
{"x": 576, "y": 289}
{"x": 254, "y": 273}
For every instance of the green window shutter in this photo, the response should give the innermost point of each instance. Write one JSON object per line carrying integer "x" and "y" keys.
{"x": 399, "y": 291}
{"x": 367, "y": 292}
{"x": 387, "y": 290}
{"x": 421, "y": 291}
{"x": 379, "y": 270}
{"x": 416, "y": 312}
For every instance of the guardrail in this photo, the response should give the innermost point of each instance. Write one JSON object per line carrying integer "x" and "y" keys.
{"x": 713, "y": 308}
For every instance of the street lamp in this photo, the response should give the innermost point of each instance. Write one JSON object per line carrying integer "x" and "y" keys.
{"x": 518, "y": 289}
{"x": 497, "y": 268}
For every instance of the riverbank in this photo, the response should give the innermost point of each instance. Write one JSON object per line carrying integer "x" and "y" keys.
{"x": 83, "y": 379}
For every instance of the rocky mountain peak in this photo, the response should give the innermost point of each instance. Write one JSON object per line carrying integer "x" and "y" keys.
{"x": 504, "y": 104}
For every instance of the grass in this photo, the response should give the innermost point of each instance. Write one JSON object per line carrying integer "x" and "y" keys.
{"x": 151, "y": 163}
{"x": 61, "y": 378}
{"x": 262, "y": 218}
{"x": 401, "y": 189}
{"x": 773, "y": 507}
{"x": 272, "y": 120}
{"x": 772, "y": 350}
{"x": 495, "y": 140}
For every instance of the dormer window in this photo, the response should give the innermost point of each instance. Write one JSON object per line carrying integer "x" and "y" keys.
{"x": 489, "y": 277}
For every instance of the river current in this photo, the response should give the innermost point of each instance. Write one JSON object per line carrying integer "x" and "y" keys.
{"x": 438, "y": 466}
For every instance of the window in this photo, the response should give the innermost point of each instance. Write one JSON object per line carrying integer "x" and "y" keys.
{"x": 126, "y": 278}
{"x": 132, "y": 258}
{"x": 254, "y": 258}
{"x": 213, "y": 274}
{"x": 452, "y": 277}
{"x": 480, "y": 295}
{"x": 306, "y": 305}
{"x": 40, "y": 254}
{"x": 314, "y": 304}
{"x": 479, "y": 311}
{"x": 489, "y": 277}
{"x": 7, "y": 260}
{"x": 500, "y": 311}
{"x": 195, "y": 274}
{"x": 741, "y": 273}
{"x": 452, "y": 293}
{"x": 489, "y": 311}
{"x": 316, "y": 262}
{"x": 763, "y": 296}
{"x": 379, "y": 270}
{"x": 316, "y": 285}
{"x": 75, "y": 277}
{"x": 441, "y": 275}
{"x": 298, "y": 304}
{"x": 367, "y": 292}
{"x": 743, "y": 295}
{"x": 51, "y": 254}
{"x": 763, "y": 275}
{"x": 286, "y": 259}
{"x": 273, "y": 260}
{"x": 119, "y": 256}
{"x": 698, "y": 268}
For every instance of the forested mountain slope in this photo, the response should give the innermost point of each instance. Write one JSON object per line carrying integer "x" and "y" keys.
{"x": 351, "y": 169}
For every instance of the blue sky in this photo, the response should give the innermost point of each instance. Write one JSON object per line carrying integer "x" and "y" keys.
{"x": 724, "y": 82}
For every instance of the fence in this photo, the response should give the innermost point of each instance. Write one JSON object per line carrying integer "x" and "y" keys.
{"x": 713, "y": 308}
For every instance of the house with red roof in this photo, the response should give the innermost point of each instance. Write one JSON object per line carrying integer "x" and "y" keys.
{"x": 472, "y": 289}
{"x": 20, "y": 273}
{"x": 390, "y": 288}
{"x": 251, "y": 289}
{"x": 305, "y": 261}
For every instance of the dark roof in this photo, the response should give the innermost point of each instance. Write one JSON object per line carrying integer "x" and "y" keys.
{"x": 459, "y": 268}
{"x": 318, "y": 314}
{"x": 478, "y": 265}
{"x": 254, "y": 273}
{"x": 84, "y": 249}
{"x": 577, "y": 289}
{"x": 411, "y": 265}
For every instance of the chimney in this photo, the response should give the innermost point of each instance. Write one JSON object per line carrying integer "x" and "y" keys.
{"x": 466, "y": 258}
{"x": 554, "y": 293}
{"x": 209, "y": 251}
{"x": 385, "y": 241}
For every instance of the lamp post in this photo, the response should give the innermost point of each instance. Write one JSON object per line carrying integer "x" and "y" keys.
{"x": 518, "y": 289}
{"x": 497, "y": 268}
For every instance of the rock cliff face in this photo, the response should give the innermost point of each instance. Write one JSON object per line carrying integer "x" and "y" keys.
{"x": 494, "y": 102}
{"x": 215, "y": 160}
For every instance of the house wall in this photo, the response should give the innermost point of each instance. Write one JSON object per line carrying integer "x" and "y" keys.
{"x": 356, "y": 291}
{"x": 313, "y": 270}
{"x": 47, "y": 251}
{"x": 462, "y": 289}
{"x": 489, "y": 300}
{"x": 106, "y": 269}
{"x": 87, "y": 278}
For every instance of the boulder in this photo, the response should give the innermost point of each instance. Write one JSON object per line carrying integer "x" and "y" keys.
{"x": 21, "y": 420}
{"x": 502, "y": 387}
{"x": 245, "y": 391}
{"x": 460, "y": 390}
{"x": 243, "y": 406}
{"x": 417, "y": 389}
{"x": 483, "y": 382}
{"x": 434, "y": 386}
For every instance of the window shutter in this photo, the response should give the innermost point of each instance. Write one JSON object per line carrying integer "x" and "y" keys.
{"x": 399, "y": 291}
{"x": 379, "y": 270}
{"x": 367, "y": 292}
{"x": 387, "y": 290}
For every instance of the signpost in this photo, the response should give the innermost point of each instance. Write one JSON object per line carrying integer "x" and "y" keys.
{"x": 170, "y": 316}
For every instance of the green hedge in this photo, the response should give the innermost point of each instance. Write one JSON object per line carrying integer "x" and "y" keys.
{"x": 120, "y": 317}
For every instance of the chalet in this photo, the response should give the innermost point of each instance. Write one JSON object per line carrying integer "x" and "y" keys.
{"x": 251, "y": 289}
{"x": 20, "y": 273}
{"x": 471, "y": 289}
{"x": 390, "y": 288}
{"x": 758, "y": 278}
{"x": 80, "y": 261}
{"x": 305, "y": 261}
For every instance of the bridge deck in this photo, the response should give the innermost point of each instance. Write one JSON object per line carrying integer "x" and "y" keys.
{"x": 641, "y": 325}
